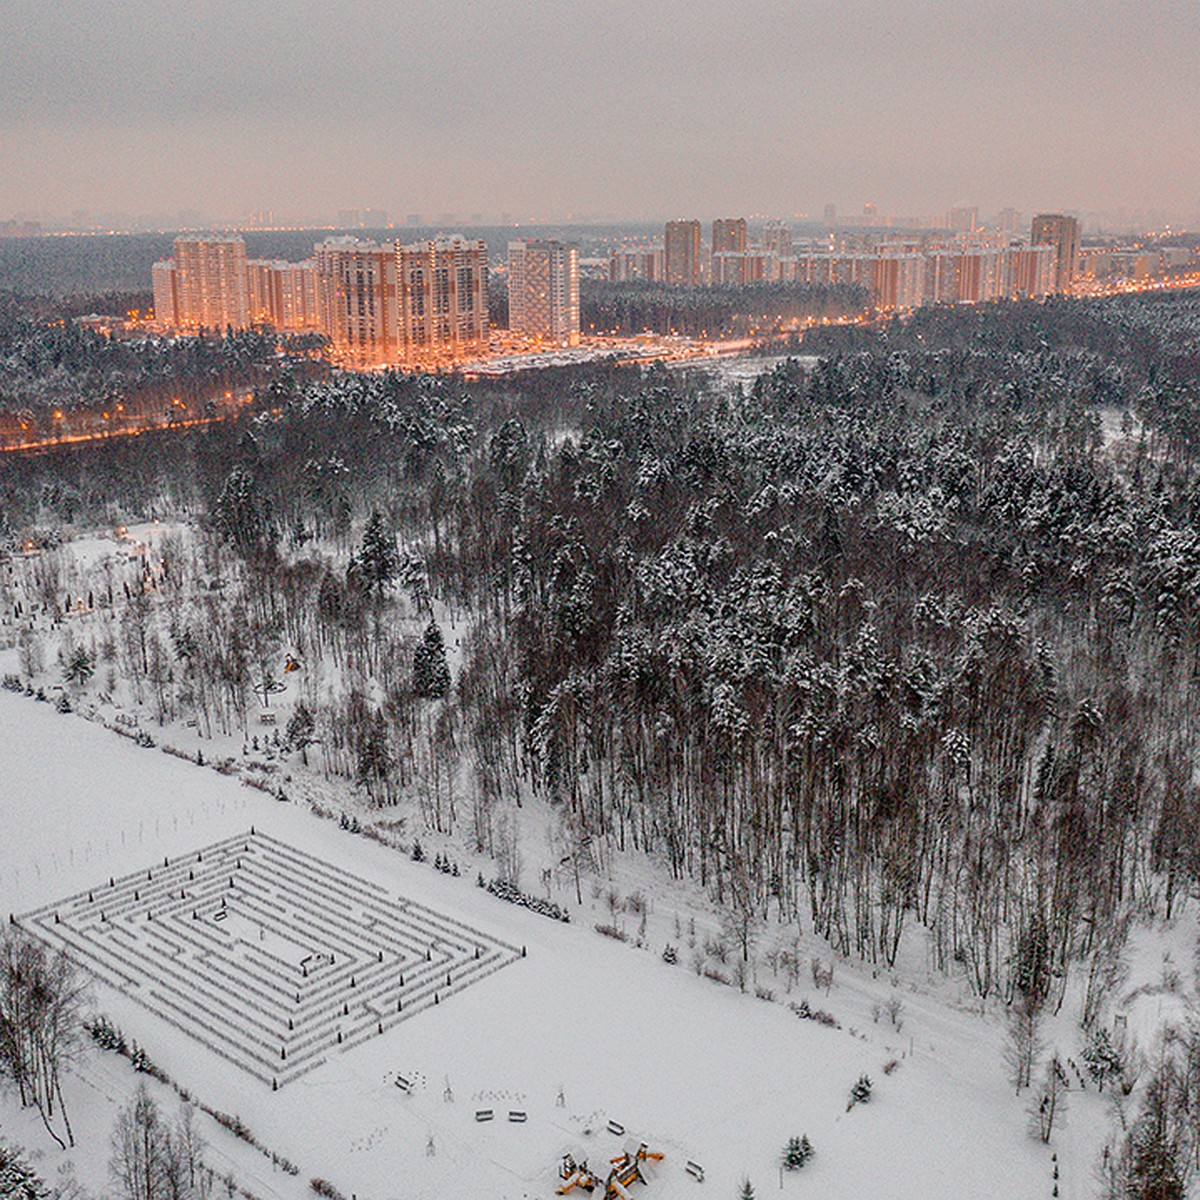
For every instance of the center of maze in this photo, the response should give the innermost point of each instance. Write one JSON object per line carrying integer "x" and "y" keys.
{"x": 268, "y": 956}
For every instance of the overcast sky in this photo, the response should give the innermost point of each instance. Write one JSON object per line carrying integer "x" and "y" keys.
{"x": 642, "y": 108}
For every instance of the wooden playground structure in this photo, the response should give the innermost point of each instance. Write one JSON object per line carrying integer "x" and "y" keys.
{"x": 624, "y": 1171}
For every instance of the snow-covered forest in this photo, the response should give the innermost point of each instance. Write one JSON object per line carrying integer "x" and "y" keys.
{"x": 897, "y": 648}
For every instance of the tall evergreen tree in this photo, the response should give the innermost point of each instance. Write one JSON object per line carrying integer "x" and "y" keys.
{"x": 378, "y": 561}
{"x": 431, "y": 672}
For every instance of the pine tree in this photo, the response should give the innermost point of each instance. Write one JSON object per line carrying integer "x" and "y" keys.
{"x": 797, "y": 1152}
{"x": 242, "y": 515}
{"x": 1101, "y": 1058}
{"x": 860, "y": 1093}
{"x": 17, "y": 1179}
{"x": 378, "y": 561}
{"x": 431, "y": 673}
{"x": 747, "y": 1192}
{"x": 79, "y": 665}
{"x": 374, "y": 758}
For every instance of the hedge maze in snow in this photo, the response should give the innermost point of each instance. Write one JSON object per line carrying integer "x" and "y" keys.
{"x": 268, "y": 956}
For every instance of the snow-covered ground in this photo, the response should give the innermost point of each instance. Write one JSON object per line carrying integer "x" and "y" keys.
{"x": 696, "y": 1069}
{"x": 581, "y": 1031}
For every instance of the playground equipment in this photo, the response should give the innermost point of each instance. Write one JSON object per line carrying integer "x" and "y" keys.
{"x": 575, "y": 1175}
{"x": 625, "y": 1170}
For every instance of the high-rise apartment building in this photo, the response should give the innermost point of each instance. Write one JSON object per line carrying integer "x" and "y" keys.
{"x": 777, "y": 238}
{"x": 1032, "y": 271}
{"x": 204, "y": 286}
{"x": 443, "y": 299}
{"x": 731, "y": 268}
{"x": 209, "y": 284}
{"x": 1061, "y": 232}
{"x": 543, "y": 291}
{"x": 628, "y": 263}
{"x": 681, "y": 253}
{"x": 963, "y": 219}
{"x": 165, "y": 280}
{"x": 898, "y": 281}
{"x": 1008, "y": 220}
{"x": 729, "y": 235}
{"x": 264, "y": 291}
{"x": 358, "y": 300}
{"x": 300, "y": 306}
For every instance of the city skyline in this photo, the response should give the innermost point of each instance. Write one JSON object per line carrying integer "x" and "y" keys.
{"x": 635, "y": 114}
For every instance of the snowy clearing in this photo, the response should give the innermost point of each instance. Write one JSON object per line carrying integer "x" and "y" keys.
{"x": 580, "y": 1032}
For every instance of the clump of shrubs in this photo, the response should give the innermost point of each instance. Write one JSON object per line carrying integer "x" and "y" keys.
{"x": 324, "y": 1188}
{"x": 807, "y": 1013}
{"x": 514, "y": 895}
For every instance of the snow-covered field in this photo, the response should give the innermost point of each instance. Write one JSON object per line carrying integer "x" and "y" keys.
{"x": 579, "y": 1031}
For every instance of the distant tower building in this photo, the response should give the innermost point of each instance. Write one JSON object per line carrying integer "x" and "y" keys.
{"x": 264, "y": 279}
{"x": 210, "y": 283}
{"x": 300, "y": 308}
{"x": 963, "y": 219}
{"x": 729, "y": 235}
{"x": 543, "y": 291}
{"x": 1061, "y": 232}
{"x": 1008, "y": 220}
{"x": 830, "y": 215}
{"x": 777, "y": 238}
{"x": 166, "y": 294}
{"x": 358, "y": 299}
{"x": 443, "y": 299}
{"x": 681, "y": 253}
{"x": 629, "y": 263}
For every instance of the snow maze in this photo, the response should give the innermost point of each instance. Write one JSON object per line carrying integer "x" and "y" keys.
{"x": 268, "y": 956}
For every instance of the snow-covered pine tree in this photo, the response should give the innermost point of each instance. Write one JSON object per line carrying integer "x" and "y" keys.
{"x": 300, "y": 730}
{"x": 1101, "y": 1058}
{"x": 18, "y": 1181}
{"x": 797, "y": 1152}
{"x": 431, "y": 673}
{"x": 378, "y": 561}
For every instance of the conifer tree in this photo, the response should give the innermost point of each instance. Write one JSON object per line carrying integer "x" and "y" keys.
{"x": 431, "y": 673}
{"x": 378, "y": 561}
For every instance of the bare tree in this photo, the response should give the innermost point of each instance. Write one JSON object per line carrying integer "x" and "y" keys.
{"x": 145, "y": 1163}
{"x": 1048, "y": 1105}
{"x": 189, "y": 1148}
{"x": 1023, "y": 1045}
{"x": 42, "y": 999}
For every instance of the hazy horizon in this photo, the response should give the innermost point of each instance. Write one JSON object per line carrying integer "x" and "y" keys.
{"x": 629, "y": 113}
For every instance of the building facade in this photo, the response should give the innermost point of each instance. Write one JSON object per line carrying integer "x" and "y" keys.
{"x": 443, "y": 300}
{"x": 681, "y": 253}
{"x": 210, "y": 284}
{"x": 1061, "y": 232}
{"x": 543, "y": 291}
{"x": 165, "y": 280}
{"x": 358, "y": 300}
{"x": 729, "y": 235}
{"x": 630, "y": 263}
